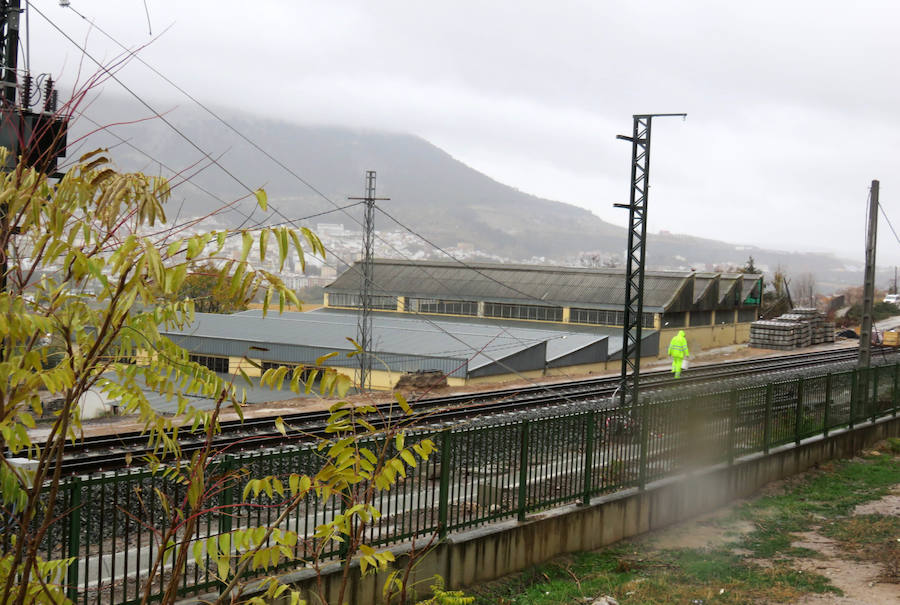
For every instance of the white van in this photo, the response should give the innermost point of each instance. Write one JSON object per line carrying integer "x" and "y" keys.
{"x": 894, "y": 299}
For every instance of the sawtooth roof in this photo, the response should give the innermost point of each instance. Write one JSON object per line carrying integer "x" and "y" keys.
{"x": 525, "y": 284}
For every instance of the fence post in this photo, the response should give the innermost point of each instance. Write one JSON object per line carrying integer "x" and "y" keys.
{"x": 444, "y": 490}
{"x": 876, "y": 402}
{"x": 826, "y": 416}
{"x": 645, "y": 444}
{"x": 732, "y": 428}
{"x": 863, "y": 401}
{"x": 74, "y": 538}
{"x": 523, "y": 470}
{"x": 589, "y": 457}
{"x": 854, "y": 387}
{"x": 767, "y": 425}
{"x": 894, "y": 397}
{"x": 798, "y": 416}
{"x": 226, "y": 511}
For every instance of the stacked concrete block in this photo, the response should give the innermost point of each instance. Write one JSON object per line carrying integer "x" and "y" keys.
{"x": 800, "y": 328}
{"x": 781, "y": 335}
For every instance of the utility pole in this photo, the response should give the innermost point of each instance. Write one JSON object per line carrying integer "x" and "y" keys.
{"x": 9, "y": 29}
{"x": 11, "y": 10}
{"x": 38, "y": 139}
{"x": 865, "y": 336}
{"x": 364, "y": 325}
{"x": 634, "y": 276}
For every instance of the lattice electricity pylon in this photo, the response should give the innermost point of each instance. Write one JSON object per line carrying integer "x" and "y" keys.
{"x": 364, "y": 325}
{"x": 637, "y": 233}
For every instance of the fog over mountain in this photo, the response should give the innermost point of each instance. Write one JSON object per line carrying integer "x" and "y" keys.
{"x": 433, "y": 194}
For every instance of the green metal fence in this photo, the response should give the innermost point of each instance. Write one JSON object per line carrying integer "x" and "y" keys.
{"x": 478, "y": 475}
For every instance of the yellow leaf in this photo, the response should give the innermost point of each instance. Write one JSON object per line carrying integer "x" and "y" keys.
{"x": 408, "y": 457}
{"x": 262, "y": 199}
{"x": 263, "y": 244}
{"x": 404, "y": 405}
{"x": 247, "y": 243}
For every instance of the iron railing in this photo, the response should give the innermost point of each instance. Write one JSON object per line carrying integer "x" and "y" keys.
{"x": 109, "y": 522}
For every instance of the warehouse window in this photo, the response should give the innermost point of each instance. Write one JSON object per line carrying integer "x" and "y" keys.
{"x": 673, "y": 320}
{"x": 605, "y": 318}
{"x": 385, "y": 303}
{"x": 701, "y": 318}
{"x": 274, "y": 365}
{"x": 745, "y": 315}
{"x": 724, "y": 317}
{"x": 216, "y": 364}
{"x": 447, "y": 307}
{"x": 514, "y": 311}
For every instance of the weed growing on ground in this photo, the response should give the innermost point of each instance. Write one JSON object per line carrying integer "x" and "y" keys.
{"x": 874, "y": 538}
{"x": 751, "y": 568}
{"x": 893, "y": 445}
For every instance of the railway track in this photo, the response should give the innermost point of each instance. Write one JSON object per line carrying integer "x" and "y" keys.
{"x": 106, "y": 452}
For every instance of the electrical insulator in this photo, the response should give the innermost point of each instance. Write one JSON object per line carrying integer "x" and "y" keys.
{"x": 48, "y": 95}
{"x": 26, "y": 91}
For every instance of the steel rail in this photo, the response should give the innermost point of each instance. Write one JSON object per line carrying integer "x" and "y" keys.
{"x": 105, "y": 452}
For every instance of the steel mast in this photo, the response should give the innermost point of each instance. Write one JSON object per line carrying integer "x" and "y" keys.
{"x": 637, "y": 234}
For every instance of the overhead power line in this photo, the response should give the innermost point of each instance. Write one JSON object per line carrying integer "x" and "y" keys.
{"x": 274, "y": 208}
{"x": 149, "y": 107}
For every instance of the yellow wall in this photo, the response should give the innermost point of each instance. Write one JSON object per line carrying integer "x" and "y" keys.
{"x": 700, "y": 338}
{"x": 236, "y": 364}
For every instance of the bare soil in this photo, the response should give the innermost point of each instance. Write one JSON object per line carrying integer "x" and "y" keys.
{"x": 863, "y": 582}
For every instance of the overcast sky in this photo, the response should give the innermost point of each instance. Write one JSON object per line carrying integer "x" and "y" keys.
{"x": 793, "y": 106}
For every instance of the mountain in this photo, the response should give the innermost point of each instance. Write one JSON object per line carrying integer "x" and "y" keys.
{"x": 430, "y": 192}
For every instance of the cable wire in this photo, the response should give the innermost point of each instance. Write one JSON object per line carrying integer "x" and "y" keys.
{"x": 150, "y": 108}
{"x": 290, "y": 171}
{"x": 287, "y": 220}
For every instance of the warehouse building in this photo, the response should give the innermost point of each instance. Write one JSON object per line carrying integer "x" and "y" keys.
{"x": 714, "y": 309}
{"x": 480, "y": 323}
{"x": 466, "y": 350}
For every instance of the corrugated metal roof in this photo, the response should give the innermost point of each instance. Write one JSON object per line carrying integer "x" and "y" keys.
{"x": 527, "y": 284}
{"x": 702, "y": 283}
{"x": 726, "y": 283}
{"x": 400, "y": 341}
{"x": 748, "y": 282}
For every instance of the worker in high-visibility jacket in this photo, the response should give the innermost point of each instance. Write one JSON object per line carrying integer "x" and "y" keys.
{"x": 678, "y": 350}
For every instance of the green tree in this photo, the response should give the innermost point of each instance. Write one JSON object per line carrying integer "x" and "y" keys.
{"x": 91, "y": 280}
{"x": 209, "y": 292}
{"x": 749, "y": 267}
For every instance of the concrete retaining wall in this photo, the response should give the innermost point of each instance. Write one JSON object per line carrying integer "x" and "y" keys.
{"x": 491, "y": 552}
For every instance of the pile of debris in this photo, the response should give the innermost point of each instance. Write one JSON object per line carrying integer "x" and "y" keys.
{"x": 800, "y": 328}
{"x": 427, "y": 380}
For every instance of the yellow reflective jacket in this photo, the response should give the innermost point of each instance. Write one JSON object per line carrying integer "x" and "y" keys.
{"x": 678, "y": 345}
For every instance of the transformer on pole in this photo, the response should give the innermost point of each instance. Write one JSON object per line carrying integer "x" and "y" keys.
{"x": 637, "y": 233}
{"x": 364, "y": 325}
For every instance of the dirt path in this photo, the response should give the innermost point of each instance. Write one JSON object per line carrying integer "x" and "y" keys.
{"x": 863, "y": 582}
